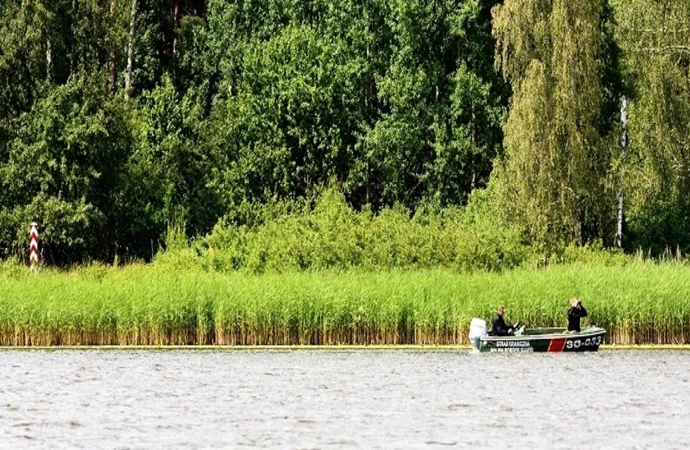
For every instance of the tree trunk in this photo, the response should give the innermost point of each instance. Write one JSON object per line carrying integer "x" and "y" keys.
{"x": 624, "y": 152}
{"x": 49, "y": 61}
{"x": 130, "y": 50}
{"x": 74, "y": 55}
{"x": 176, "y": 24}
{"x": 111, "y": 55}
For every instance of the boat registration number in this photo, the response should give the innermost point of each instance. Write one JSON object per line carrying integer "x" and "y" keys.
{"x": 577, "y": 343}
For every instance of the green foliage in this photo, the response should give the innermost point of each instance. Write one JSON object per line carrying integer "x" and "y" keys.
{"x": 332, "y": 235}
{"x": 641, "y": 303}
{"x": 557, "y": 163}
{"x": 178, "y": 166}
{"x": 654, "y": 37}
{"x": 487, "y": 242}
{"x": 66, "y": 167}
{"x": 230, "y": 112}
{"x": 391, "y": 98}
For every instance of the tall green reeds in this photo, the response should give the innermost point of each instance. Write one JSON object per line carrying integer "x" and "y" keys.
{"x": 154, "y": 305}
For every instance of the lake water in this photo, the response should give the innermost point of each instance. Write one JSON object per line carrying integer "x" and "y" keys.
{"x": 179, "y": 399}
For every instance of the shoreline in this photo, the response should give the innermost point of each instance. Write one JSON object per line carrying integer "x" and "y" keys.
{"x": 402, "y": 347}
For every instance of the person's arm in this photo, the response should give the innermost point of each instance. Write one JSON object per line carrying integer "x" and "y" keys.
{"x": 583, "y": 311}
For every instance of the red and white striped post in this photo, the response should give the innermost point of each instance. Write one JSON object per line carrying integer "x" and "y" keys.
{"x": 33, "y": 249}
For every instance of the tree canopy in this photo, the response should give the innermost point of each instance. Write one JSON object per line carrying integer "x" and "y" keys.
{"x": 119, "y": 119}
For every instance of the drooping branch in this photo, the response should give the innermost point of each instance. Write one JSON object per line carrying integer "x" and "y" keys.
{"x": 654, "y": 30}
{"x": 663, "y": 49}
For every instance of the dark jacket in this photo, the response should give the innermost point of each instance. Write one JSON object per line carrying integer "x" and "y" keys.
{"x": 574, "y": 316}
{"x": 500, "y": 328}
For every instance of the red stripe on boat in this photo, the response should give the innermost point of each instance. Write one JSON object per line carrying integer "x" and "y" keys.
{"x": 557, "y": 345}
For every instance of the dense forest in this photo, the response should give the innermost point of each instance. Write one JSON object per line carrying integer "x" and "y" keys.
{"x": 567, "y": 123}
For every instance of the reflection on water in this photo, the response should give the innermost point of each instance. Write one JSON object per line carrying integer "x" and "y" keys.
{"x": 168, "y": 399}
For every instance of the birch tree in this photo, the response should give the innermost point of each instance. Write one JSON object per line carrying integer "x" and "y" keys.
{"x": 655, "y": 36}
{"x": 554, "y": 178}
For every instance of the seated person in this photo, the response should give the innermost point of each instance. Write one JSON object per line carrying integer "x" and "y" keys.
{"x": 500, "y": 328}
{"x": 575, "y": 313}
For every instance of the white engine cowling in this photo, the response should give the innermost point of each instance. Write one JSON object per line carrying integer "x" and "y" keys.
{"x": 477, "y": 330}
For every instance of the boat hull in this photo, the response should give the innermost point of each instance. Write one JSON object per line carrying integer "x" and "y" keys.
{"x": 545, "y": 340}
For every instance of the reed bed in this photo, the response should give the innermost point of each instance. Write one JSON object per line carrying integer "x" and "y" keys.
{"x": 642, "y": 303}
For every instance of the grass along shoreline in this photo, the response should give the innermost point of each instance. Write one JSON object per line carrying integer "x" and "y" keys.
{"x": 139, "y": 305}
{"x": 287, "y": 348}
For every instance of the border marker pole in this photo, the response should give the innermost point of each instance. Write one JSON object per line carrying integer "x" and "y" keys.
{"x": 33, "y": 246}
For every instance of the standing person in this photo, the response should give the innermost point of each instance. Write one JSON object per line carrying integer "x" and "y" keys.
{"x": 500, "y": 328}
{"x": 575, "y": 313}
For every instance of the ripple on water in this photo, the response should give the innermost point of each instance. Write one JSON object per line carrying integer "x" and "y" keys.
{"x": 341, "y": 399}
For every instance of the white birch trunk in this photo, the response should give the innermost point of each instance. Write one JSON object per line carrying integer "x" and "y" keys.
{"x": 111, "y": 55}
{"x": 624, "y": 152}
{"x": 49, "y": 60}
{"x": 130, "y": 50}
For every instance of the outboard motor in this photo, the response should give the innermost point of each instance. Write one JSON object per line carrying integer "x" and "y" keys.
{"x": 477, "y": 330}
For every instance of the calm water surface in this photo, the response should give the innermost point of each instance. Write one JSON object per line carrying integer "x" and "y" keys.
{"x": 118, "y": 399}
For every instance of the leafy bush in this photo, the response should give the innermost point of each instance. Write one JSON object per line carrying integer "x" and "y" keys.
{"x": 332, "y": 235}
